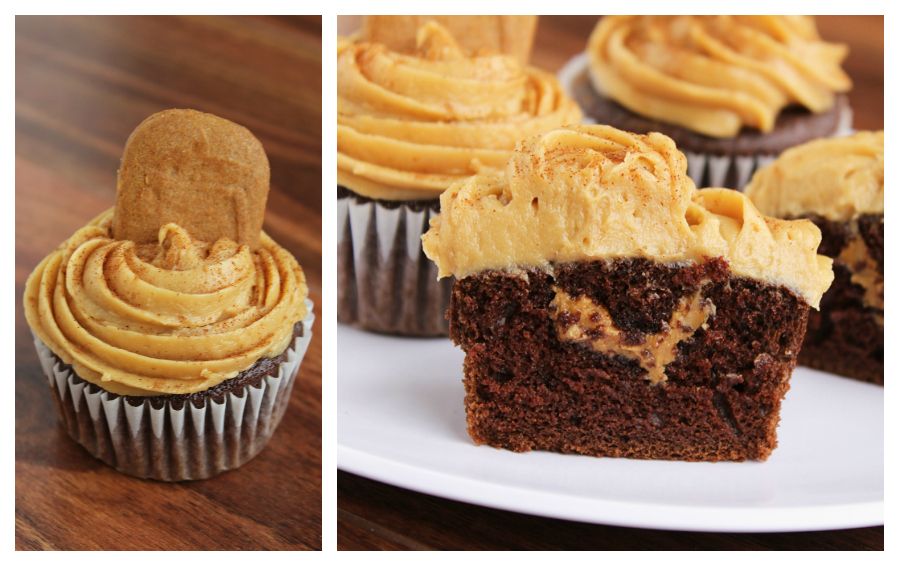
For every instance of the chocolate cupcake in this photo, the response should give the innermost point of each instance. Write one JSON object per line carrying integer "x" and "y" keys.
{"x": 617, "y": 310}
{"x": 838, "y": 184}
{"x": 171, "y": 327}
{"x": 732, "y": 91}
{"x": 408, "y": 125}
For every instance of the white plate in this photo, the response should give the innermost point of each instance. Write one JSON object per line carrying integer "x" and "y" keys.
{"x": 401, "y": 421}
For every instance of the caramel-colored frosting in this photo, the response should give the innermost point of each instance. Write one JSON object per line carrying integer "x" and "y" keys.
{"x": 408, "y": 125}
{"x": 715, "y": 74}
{"x": 837, "y": 178}
{"x": 175, "y": 317}
{"x": 579, "y": 319}
{"x": 595, "y": 192}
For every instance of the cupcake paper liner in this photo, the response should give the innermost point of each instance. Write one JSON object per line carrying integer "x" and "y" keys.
{"x": 176, "y": 440}
{"x": 385, "y": 283}
{"x": 706, "y": 169}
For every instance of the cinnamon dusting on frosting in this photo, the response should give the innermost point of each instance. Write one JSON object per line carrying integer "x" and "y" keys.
{"x": 175, "y": 317}
{"x": 409, "y": 124}
{"x": 595, "y": 192}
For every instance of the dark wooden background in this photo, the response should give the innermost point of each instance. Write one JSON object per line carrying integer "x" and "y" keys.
{"x": 82, "y": 85}
{"x": 372, "y": 515}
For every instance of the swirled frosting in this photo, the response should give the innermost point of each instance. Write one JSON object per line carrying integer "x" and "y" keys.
{"x": 175, "y": 317}
{"x": 715, "y": 74}
{"x": 408, "y": 125}
{"x": 837, "y": 178}
{"x": 594, "y": 192}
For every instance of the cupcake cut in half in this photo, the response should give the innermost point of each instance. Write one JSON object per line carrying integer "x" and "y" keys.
{"x": 409, "y": 124}
{"x": 838, "y": 184}
{"x": 732, "y": 91}
{"x": 608, "y": 307}
{"x": 171, "y": 327}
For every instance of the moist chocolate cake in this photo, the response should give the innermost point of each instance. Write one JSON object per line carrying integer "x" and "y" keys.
{"x": 838, "y": 185}
{"x": 846, "y": 335}
{"x": 606, "y": 307}
{"x": 534, "y": 380}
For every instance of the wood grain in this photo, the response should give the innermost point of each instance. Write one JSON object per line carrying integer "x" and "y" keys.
{"x": 373, "y": 515}
{"x": 82, "y": 85}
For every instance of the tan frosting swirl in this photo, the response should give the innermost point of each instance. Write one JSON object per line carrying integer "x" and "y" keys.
{"x": 715, "y": 74}
{"x": 592, "y": 192}
{"x": 837, "y": 178}
{"x": 175, "y": 317}
{"x": 408, "y": 125}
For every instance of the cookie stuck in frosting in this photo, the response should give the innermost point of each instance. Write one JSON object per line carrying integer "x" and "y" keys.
{"x": 715, "y": 74}
{"x": 410, "y": 124}
{"x": 202, "y": 172}
{"x": 594, "y": 192}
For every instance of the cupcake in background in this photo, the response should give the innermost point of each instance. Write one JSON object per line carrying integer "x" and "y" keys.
{"x": 512, "y": 35}
{"x": 732, "y": 91}
{"x": 171, "y": 327}
{"x": 408, "y": 125}
{"x": 837, "y": 184}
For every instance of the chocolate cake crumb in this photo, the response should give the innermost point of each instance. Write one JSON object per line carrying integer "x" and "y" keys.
{"x": 528, "y": 389}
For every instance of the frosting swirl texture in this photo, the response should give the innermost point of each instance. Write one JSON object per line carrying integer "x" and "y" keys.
{"x": 175, "y": 317}
{"x": 715, "y": 74}
{"x": 595, "y": 192}
{"x": 837, "y": 178}
{"x": 408, "y": 125}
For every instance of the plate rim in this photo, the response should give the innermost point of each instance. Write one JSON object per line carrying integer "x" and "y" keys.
{"x": 642, "y": 515}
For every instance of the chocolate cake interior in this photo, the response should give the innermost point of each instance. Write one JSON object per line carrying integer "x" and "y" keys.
{"x": 627, "y": 357}
{"x": 846, "y": 335}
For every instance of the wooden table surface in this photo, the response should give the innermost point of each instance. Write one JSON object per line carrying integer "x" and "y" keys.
{"x": 82, "y": 85}
{"x": 373, "y": 515}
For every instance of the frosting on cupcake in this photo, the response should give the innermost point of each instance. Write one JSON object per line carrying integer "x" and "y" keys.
{"x": 408, "y": 125}
{"x": 177, "y": 316}
{"x": 837, "y": 178}
{"x": 594, "y": 192}
{"x": 715, "y": 74}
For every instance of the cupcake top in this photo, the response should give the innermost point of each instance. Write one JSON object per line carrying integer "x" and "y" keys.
{"x": 178, "y": 314}
{"x": 594, "y": 192}
{"x": 409, "y": 124}
{"x": 836, "y": 178}
{"x": 715, "y": 74}
{"x": 513, "y": 35}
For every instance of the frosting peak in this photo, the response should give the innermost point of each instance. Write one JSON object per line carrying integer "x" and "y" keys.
{"x": 715, "y": 74}
{"x": 595, "y": 192}
{"x": 837, "y": 178}
{"x": 174, "y": 317}
{"x": 409, "y": 124}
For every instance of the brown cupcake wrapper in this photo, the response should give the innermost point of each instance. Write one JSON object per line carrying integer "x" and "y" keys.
{"x": 178, "y": 440}
{"x": 385, "y": 283}
{"x": 706, "y": 169}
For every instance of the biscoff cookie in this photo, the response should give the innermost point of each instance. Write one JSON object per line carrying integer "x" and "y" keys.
{"x": 204, "y": 173}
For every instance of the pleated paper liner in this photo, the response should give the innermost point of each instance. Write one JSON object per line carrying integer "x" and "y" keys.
{"x": 706, "y": 169}
{"x": 385, "y": 283}
{"x": 174, "y": 440}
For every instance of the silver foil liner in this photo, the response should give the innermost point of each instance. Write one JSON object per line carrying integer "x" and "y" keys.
{"x": 706, "y": 170}
{"x": 385, "y": 283}
{"x": 174, "y": 440}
